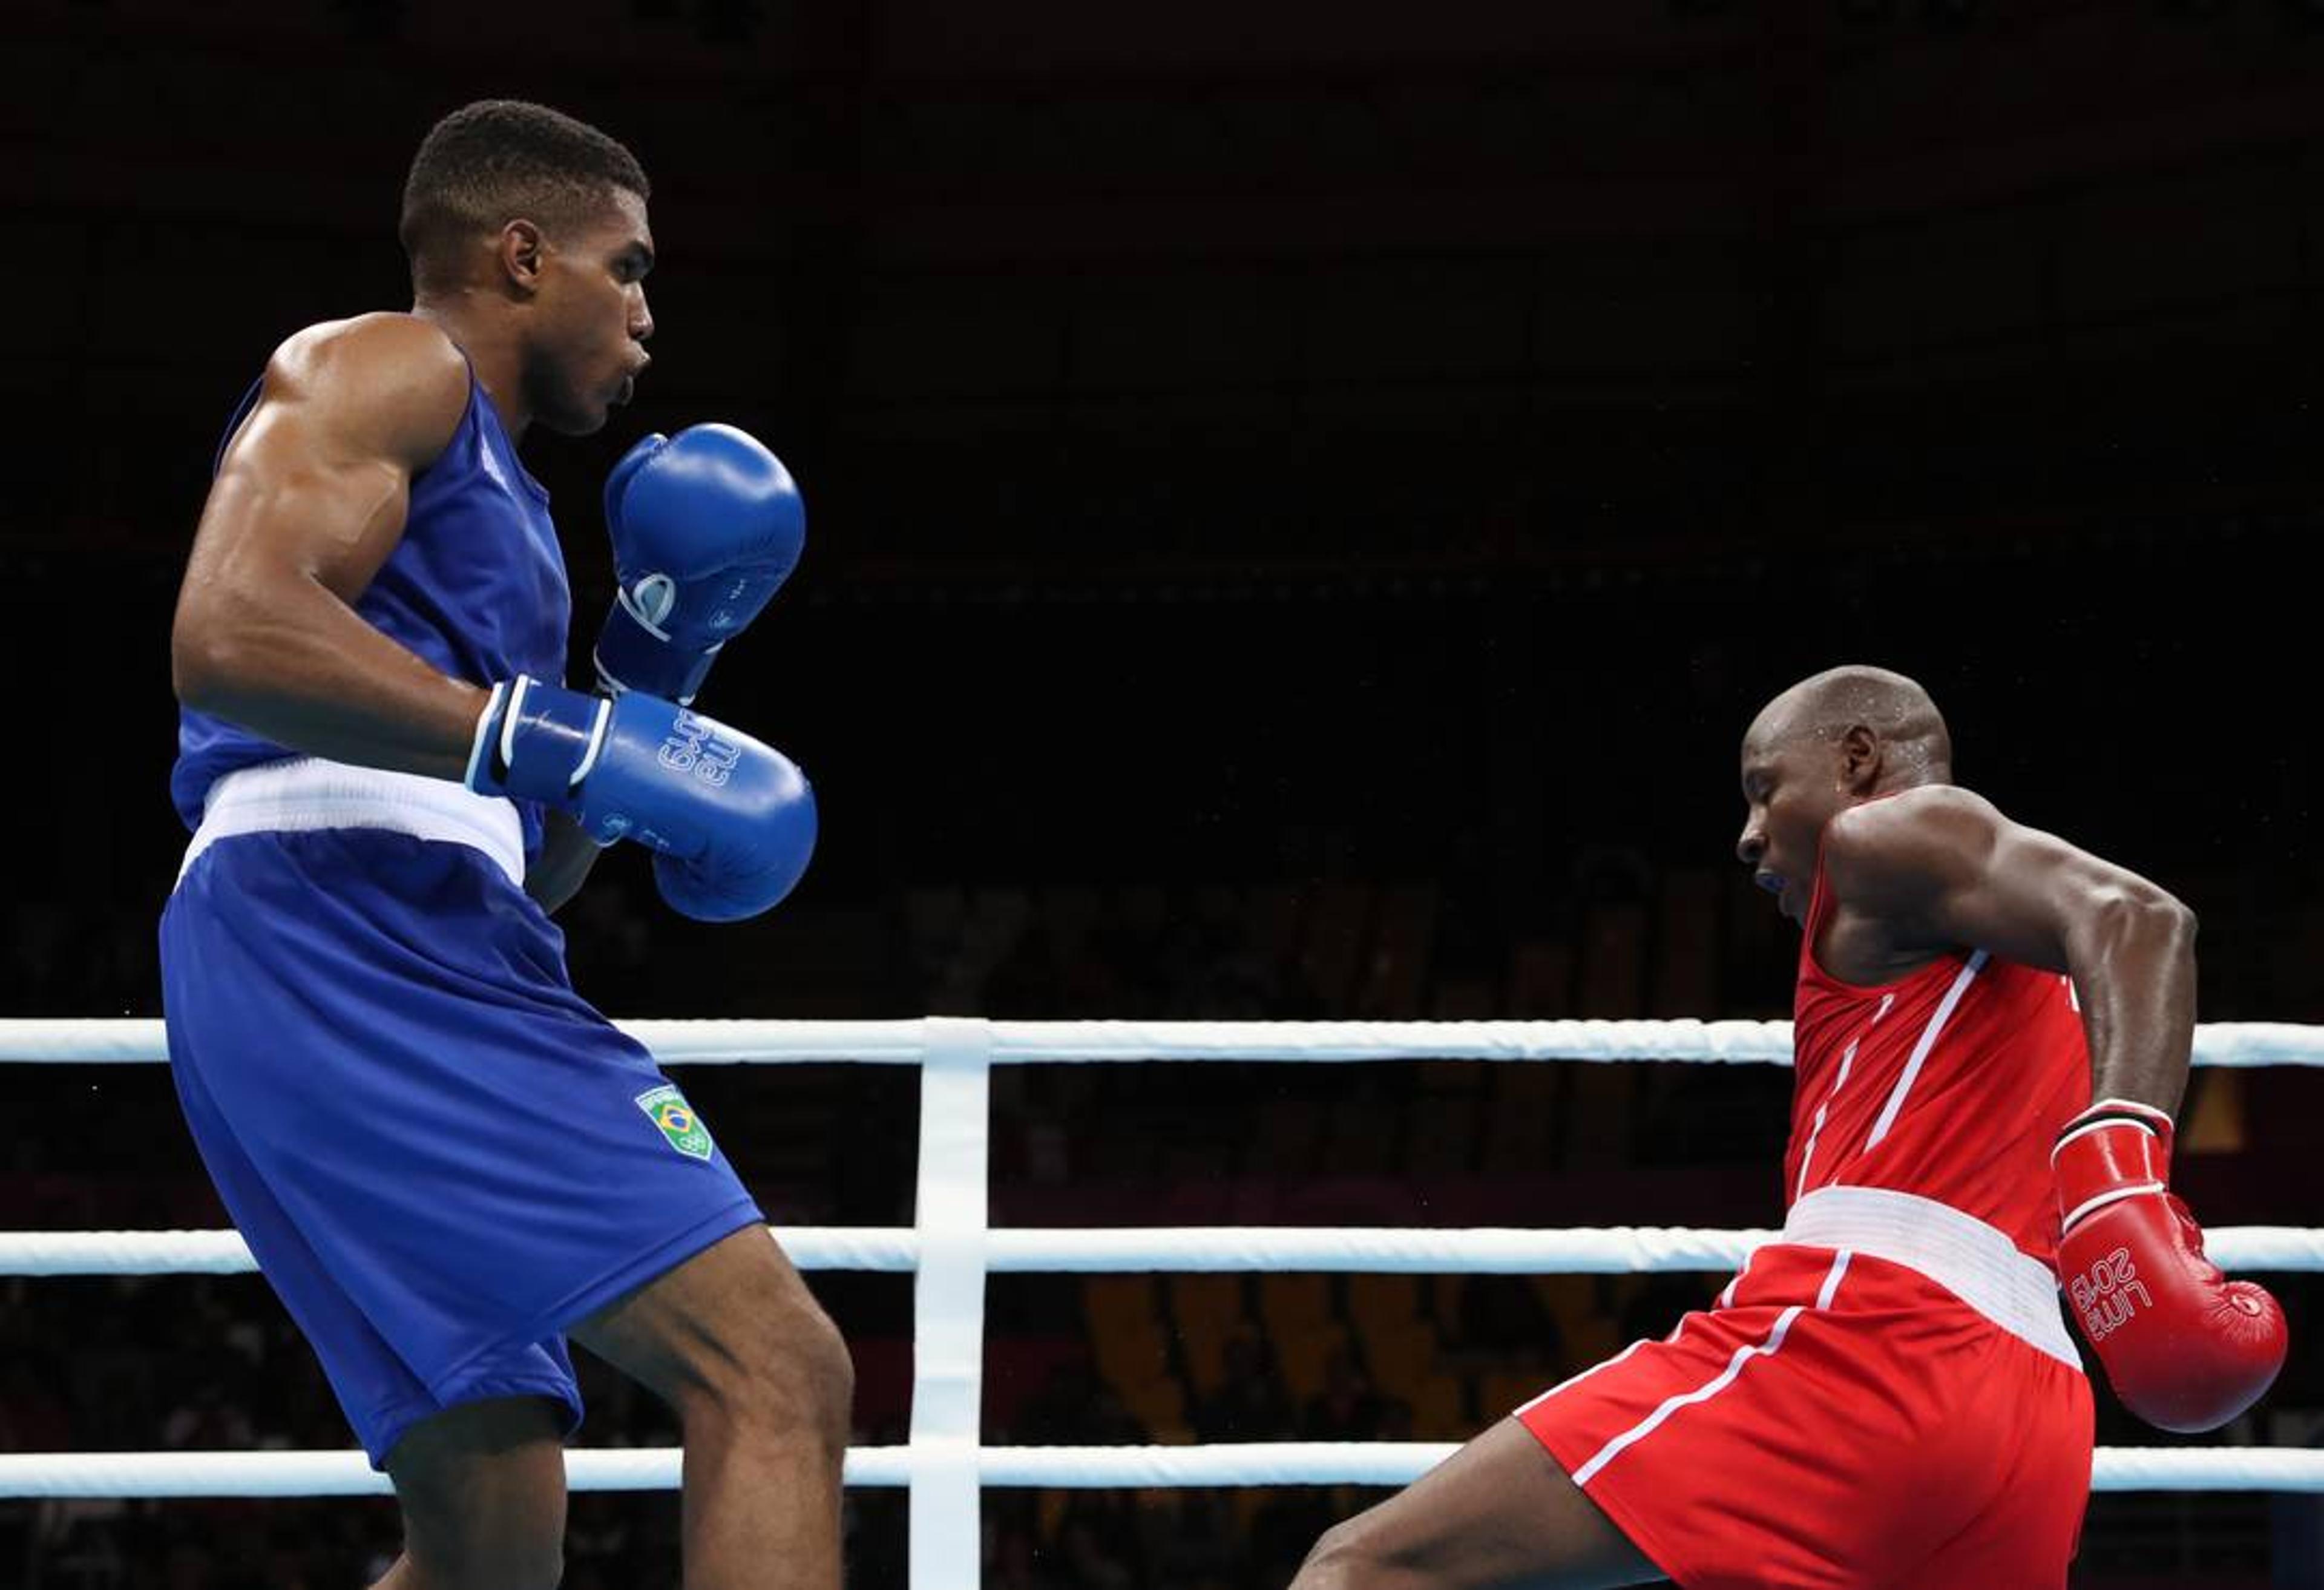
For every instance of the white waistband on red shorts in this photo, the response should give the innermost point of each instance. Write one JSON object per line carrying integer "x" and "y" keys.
{"x": 1977, "y": 1262}
{"x": 310, "y": 792}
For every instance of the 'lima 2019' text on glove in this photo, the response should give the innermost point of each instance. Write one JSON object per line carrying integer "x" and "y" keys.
{"x": 2185, "y": 1349}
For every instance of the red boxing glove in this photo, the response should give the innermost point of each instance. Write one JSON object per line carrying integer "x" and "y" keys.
{"x": 2186, "y": 1348}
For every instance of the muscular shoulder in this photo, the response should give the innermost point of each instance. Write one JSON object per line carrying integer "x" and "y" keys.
{"x": 388, "y": 385}
{"x": 1892, "y": 852}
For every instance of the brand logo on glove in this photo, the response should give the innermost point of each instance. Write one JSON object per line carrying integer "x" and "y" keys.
{"x": 694, "y": 746}
{"x": 2109, "y": 1295}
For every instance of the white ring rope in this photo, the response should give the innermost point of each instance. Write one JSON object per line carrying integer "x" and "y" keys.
{"x": 907, "y": 1043}
{"x": 1614, "y": 1249}
{"x": 1257, "y": 1463}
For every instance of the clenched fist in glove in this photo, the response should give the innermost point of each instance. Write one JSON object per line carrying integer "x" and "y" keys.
{"x": 2186, "y": 1348}
{"x": 705, "y": 524}
{"x": 733, "y": 821}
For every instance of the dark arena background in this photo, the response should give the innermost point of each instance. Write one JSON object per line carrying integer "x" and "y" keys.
{"x": 1303, "y": 501}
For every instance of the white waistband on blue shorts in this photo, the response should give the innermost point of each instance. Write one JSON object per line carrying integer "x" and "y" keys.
{"x": 309, "y": 792}
{"x": 1977, "y": 1262}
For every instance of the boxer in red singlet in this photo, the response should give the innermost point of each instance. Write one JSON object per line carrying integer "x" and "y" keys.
{"x": 1886, "y": 1395}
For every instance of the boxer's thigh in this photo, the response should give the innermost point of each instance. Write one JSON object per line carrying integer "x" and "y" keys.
{"x": 1497, "y": 1512}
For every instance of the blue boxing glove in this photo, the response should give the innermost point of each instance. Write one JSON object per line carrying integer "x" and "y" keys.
{"x": 705, "y": 524}
{"x": 732, "y": 820}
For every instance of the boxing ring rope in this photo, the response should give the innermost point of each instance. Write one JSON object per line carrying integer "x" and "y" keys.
{"x": 953, "y": 1248}
{"x": 911, "y": 1042}
{"x": 1609, "y": 1250}
{"x": 1059, "y": 1468}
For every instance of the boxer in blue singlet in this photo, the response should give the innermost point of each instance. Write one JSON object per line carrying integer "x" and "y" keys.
{"x": 447, "y": 1162}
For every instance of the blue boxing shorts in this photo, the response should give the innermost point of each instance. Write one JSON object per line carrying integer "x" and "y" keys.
{"x": 440, "y": 1154}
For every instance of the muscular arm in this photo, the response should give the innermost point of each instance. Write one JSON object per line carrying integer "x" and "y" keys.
{"x": 1941, "y": 868}
{"x": 309, "y": 502}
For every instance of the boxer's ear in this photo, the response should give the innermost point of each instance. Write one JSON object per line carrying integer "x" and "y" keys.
{"x": 1861, "y": 756}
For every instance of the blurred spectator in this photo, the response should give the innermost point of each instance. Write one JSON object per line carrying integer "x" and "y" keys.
{"x": 1097, "y": 1531}
{"x": 1345, "y": 1409}
{"x": 1503, "y": 1321}
{"x": 1076, "y": 1409}
{"x": 205, "y": 1421}
{"x": 1251, "y": 1404}
{"x": 32, "y": 1417}
{"x": 1190, "y": 1540}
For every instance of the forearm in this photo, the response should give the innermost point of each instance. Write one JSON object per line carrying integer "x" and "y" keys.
{"x": 2186, "y": 1348}
{"x": 300, "y": 668}
{"x": 2133, "y": 970}
{"x": 567, "y": 854}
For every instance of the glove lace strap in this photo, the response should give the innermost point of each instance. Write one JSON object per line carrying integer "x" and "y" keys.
{"x": 596, "y": 744}
{"x": 2112, "y": 1195}
{"x": 2112, "y": 1115}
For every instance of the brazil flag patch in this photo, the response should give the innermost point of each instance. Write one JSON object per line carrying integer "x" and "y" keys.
{"x": 667, "y": 1108}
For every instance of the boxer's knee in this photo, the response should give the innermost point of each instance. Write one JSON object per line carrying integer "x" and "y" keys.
{"x": 1345, "y": 1558}
{"x": 735, "y": 1343}
{"x": 787, "y": 1376}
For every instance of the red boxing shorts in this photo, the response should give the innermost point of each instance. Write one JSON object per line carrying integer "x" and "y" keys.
{"x": 1840, "y": 1418}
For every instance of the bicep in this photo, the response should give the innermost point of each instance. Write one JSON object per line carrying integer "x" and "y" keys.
{"x": 309, "y": 502}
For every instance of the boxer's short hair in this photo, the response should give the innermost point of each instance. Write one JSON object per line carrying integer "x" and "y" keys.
{"x": 498, "y": 160}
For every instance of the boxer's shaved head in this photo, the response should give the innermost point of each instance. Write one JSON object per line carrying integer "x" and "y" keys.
{"x": 1834, "y": 740}
{"x": 1894, "y": 709}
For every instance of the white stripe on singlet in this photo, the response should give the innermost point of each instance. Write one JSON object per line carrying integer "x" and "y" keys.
{"x": 1846, "y": 1060}
{"x": 1929, "y": 1035}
